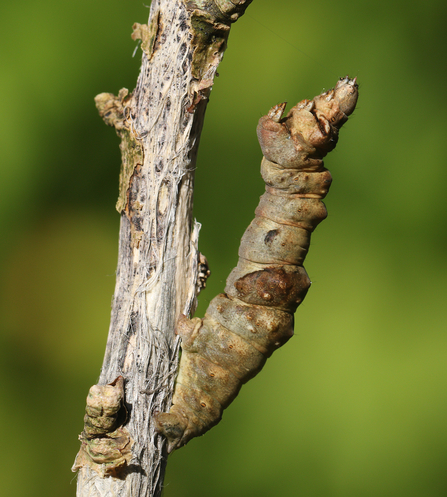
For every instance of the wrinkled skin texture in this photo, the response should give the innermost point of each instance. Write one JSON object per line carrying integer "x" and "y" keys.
{"x": 254, "y": 317}
{"x": 105, "y": 444}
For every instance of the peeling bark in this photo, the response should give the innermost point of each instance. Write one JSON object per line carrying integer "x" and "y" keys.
{"x": 158, "y": 262}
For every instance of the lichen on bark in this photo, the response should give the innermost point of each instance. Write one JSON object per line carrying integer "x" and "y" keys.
{"x": 147, "y": 33}
{"x": 115, "y": 112}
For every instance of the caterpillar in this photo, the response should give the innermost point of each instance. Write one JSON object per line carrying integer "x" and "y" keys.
{"x": 245, "y": 325}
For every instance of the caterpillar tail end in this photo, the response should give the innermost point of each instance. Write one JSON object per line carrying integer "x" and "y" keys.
{"x": 172, "y": 427}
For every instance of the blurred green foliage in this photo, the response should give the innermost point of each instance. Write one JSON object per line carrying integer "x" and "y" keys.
{"x": 355, "y": 405}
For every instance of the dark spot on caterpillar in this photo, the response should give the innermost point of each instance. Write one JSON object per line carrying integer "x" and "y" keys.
{"x": 270, "y": 236}
{"x": 273, "y": 286}
{"x": 245, "y": 325}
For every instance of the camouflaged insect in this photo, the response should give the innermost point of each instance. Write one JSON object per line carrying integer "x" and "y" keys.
{"x": 245, "y": 325}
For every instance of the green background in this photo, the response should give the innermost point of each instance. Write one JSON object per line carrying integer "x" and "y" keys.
{"x": 355, "y": 404}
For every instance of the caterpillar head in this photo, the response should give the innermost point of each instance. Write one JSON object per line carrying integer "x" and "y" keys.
{"x": 339, "y": 102}
{"x": 346, "y": 91}
{"x": 310, "y": 130}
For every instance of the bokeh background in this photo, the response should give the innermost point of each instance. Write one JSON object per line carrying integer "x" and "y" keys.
{"x": 355, "y": 405}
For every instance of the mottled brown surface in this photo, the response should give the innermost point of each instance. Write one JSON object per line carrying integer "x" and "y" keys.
{"x": 269, "y": 242}
{"x": 254, "y": 317}
{"x": 105, "y": 443}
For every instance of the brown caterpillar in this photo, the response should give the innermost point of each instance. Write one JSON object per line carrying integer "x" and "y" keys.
{"x": 245, "y": 325}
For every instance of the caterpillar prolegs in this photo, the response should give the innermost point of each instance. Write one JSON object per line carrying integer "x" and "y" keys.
{"x": 245, "y": 325}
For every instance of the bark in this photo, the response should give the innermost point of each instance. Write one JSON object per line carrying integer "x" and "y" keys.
{"x": 159, "y": 125}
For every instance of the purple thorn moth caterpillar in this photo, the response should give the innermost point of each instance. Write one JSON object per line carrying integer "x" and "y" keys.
{"x": 245, "y": 325}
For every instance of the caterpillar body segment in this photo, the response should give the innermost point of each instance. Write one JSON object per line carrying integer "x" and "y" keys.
{"x": 245, "y": 325}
